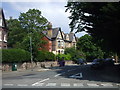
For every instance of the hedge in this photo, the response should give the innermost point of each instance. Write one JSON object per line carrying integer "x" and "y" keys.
{"x": 45, "y": 56}
{"x": 15, "y": 55}
{"x": 66, "y": 56}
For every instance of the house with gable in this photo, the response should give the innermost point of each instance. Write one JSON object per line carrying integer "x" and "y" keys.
{"x": 3, "y": 30}
{"x": 59, "y": 39}
{"x": 70, "y": 40}
{"x": 56, "y": 38}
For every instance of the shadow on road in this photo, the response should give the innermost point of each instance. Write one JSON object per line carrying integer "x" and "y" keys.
{"x": 108, "y": 74}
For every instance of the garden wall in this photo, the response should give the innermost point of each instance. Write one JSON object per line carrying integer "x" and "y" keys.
{"x": 28, "y": 65}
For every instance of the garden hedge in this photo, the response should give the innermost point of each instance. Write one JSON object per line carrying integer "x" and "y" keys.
{"x": 45, "y": 56}
{"x": 15, "y": 55}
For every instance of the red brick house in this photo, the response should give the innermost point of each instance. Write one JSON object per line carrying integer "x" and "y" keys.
{"x": 48, "y": 44}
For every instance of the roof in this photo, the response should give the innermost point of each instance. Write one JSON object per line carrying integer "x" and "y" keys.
{"x": 55, "y": 32}
{"x": 3, "y": 18}
{"x": 45, "y": 33}
{"x": 71, "y": 35}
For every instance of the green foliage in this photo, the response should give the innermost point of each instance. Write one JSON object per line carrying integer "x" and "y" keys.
{"x": 29, "y": 24}
{"x": 91, "y": 50}
{"x": 75, "y": 54}
{"x": 100, "y": 20}
{"x": 45, "y": 56}
{"x": 65, "y": 56}
{"x": 15, "y": 55}
{"x": 16, "y": 32}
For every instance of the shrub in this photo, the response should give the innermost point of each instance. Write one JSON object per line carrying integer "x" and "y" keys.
{"x": 45, "y": 56}
{"x": 15, "y": 55}
{"x": 66, "y": 56}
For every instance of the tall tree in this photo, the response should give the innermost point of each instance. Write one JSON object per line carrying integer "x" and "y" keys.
{"x": 86, "y": 45}
{"x": 28, "y": 28}
{"x": 100, "y": 20}
{"x": 16, "y": 32}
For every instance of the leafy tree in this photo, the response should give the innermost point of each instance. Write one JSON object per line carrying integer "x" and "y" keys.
{"x": 75, "y": 54}
{"x": 29, "y": 25}
{"x": 91, "y": 50}
{"x": 34, "y": 23}
{"x": 100, "y": 20}
{"x": 16, "y": 32}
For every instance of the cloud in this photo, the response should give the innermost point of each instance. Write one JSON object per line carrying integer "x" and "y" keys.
{"x": 34, "y": 1}
{"x": 53, "y": 11}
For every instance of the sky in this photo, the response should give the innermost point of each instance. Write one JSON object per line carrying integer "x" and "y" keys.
{"x": 52, "y": 10}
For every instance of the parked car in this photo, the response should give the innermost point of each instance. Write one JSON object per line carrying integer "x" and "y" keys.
{"x": 108, "y": 62}
{"x": 81, "y": 61}
{"x": 97, "y": 64}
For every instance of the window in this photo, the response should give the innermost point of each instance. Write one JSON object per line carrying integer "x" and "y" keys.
{"x": 0, "y": 21}
{"x": 62, "y": 43}
{"x": 5, "y": 40}
{"x": 58, "y": 51}
{"x": 62, "y": 52}
{"x": 58, "y": 43}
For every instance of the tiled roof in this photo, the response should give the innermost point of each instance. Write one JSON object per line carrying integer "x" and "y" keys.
{"x": 55, "y": 32}
{"x": 3, "y": 18}
{"x": 45, "y": 33}
{"x": 71, "y": 35}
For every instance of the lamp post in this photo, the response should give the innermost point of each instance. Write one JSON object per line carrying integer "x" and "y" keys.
{"x": 31, "y": 53}
{"x": 30, "y": 37}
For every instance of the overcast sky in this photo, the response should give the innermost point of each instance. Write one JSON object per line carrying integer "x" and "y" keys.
{"x": 54, "y": 11}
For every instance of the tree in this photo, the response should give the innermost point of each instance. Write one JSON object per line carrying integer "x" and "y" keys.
{"x": 29, "y": 25}
{"x": 75, "y": 54}
{"x": 16, "y": 32}
{"x": 34, "y": 23}
{"x": 100, "y": 20}
{"x": 87, "y": 46}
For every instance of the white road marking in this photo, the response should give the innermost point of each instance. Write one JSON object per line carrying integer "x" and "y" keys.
{"x": 8, "y": 84}
{"x": 39, "y": 84}
{"x": 65, "y": 84}
{"x": 78, "y": 84}
{"x": 22, "y": 85}
{"x": 57, "y": 75}
{"x": 78, "y": 75}
{"x": 51, "y": 84}
{"x": 40, "y": 81}
{"x": 107, "y": 84}
{"x": 92, "y": 84}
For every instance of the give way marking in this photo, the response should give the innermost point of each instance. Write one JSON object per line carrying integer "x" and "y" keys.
{"x": 78, "y": 75}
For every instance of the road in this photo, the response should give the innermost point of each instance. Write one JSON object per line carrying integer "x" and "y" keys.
{"x": 72, "y": 76}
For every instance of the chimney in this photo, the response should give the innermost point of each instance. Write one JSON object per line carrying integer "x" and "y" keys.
{"x": 49, "y": 31}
